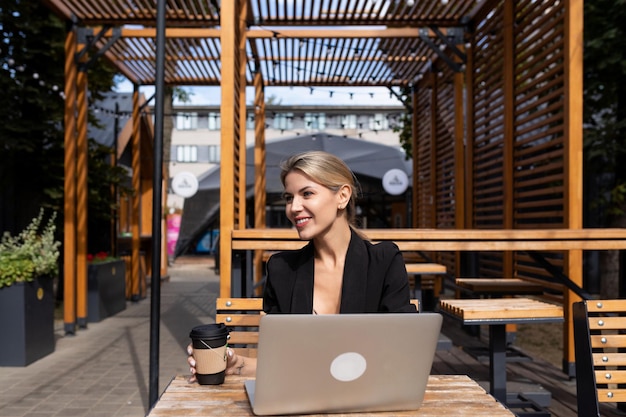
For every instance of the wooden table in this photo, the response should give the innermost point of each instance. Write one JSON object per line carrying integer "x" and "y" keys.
{"x": 497, "y": 313}
{"x": 446, "y": 395}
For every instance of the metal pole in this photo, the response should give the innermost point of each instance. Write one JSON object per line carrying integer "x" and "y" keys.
{"x": 157, "y": 180}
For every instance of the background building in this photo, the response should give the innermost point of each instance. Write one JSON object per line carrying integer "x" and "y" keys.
{"x": 195, "y": 149}
{"x": 196, "y": 135}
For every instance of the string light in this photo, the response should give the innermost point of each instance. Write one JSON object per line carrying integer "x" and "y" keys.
{"x": 11, "y": 67}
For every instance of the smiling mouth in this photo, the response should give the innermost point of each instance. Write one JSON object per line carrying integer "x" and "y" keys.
{"x": 300, "y": 222}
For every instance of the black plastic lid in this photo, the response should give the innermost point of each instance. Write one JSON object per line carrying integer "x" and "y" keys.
{"x": 209, "y": 331}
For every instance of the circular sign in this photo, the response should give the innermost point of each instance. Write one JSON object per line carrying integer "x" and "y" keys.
{"x": 185, "y": 184}
{"x": 395, "y": 181}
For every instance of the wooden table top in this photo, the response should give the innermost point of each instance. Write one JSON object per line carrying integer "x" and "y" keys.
{"x": 446, "y": 395}
{"x": 502, "y": 310}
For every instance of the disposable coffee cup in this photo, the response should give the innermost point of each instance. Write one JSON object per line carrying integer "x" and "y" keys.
{"x": 209, "y": 343}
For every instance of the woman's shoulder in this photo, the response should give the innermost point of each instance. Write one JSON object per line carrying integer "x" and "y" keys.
{"x": 384, "y": 248}
{"x": 289, "y": 257}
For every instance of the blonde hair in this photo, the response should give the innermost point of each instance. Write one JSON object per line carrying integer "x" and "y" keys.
{"x": 327, "y": 170}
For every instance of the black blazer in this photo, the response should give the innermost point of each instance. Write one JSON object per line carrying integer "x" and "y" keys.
{"x": 374, "y": 280}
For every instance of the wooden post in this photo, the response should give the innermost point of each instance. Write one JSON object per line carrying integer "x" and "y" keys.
{"x": 81, "y": 198}
{"x": 469, "y": 140}
{"x": 461, "y": 142}
{"x": 260, "y": 171}
{"x": 432, "y": 220}
{"x": 135, "y": 226}
{"x": 459, "y": 150}
{"x": 69, "y": 203}
{"x": 508, "y": 167}
{"x": 573, "y": 164}
{"x": 415, "y": 156}
{"x": 241, "y": 106}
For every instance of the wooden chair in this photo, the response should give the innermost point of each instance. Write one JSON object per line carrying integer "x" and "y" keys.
{"x": 242, "y": 317}
{"x": 600, "y": 343}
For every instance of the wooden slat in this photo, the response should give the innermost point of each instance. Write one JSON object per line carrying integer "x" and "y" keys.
{"x": 227, "y": 303}
{"x": 425, "y": 268}
{"x": 608, "y": 341}
{"x": 499, "y": 285}
{"x": 233, "y": 319}
{"x": 609, "y": 359}
{"x": 607, "y": 323}
{"x": 611, "y": 395}
{"x": 606, "y": 306}
{"x": 610, "y": 376}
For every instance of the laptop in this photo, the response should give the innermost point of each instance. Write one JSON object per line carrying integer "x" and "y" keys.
{"x": 342, "y": 363}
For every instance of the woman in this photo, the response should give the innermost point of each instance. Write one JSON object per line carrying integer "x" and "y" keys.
{"x": 339, "y": 271}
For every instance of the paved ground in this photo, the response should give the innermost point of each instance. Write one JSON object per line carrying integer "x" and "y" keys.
{"x": 104, "y": 369}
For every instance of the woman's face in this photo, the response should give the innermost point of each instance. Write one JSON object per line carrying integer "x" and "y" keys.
{"x": 311, "y": 207}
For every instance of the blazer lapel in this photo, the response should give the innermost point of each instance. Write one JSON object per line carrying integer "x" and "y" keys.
{"x": 353, "y": 293}
{"x": 302, "y": 296}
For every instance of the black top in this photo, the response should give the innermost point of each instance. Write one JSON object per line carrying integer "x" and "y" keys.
{"x": 374, "y": 280}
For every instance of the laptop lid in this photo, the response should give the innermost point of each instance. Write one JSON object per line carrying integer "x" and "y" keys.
{"x": 343, "y": 363}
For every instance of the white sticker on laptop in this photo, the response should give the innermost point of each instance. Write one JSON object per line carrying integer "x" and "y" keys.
{"x": 348, "y": 366}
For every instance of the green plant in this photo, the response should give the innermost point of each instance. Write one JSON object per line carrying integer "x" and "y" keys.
{"x": 32, "y": 253}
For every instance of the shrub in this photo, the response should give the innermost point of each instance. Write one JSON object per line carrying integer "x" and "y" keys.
{"x": 32, "y": 253}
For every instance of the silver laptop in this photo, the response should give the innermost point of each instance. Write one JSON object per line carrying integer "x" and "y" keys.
{"x": 343, "y": 363}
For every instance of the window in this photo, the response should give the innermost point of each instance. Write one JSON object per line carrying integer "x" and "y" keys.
{"x": 314, "y": 121}
{"x": 186, "y": 153}
{"x": 186, "y": 121}
{"x": 379, "y": 122}
{"x": 283, "y": 121}
{"x": 214, "y": 154}
{"x": 196, "y": 154}
{"x": 348, "y": 121}
{"x": 214, "y": 121}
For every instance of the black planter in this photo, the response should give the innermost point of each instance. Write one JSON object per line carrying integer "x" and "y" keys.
{"x": 26, "y": 322}
{"x": 106, "y": 290}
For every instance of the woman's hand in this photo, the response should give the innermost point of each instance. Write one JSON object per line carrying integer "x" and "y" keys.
{"x": 235, "y": 364}
{"x": 192, "y": 363}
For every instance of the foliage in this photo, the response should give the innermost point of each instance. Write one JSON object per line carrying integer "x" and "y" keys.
{"x": 405, "y": 127}
{"x": 32, "y": 61}
{"x": 605, "y": 99}
{"x": 101, "y": 177}
{"x": 32, "y": 253}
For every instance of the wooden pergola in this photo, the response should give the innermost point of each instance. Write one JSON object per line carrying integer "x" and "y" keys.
{"x": 496, "y": 90}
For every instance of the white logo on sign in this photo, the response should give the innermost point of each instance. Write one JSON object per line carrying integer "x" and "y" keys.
{"x": 185, "y": 184}
{"x": 395, "y": 181}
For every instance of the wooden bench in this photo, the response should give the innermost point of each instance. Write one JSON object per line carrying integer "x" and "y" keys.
{"x": 242, "y": 317}
{"x": 599, "y": 338}
{"x": 499, "y": 286}
{"x": 426, "y": 278}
